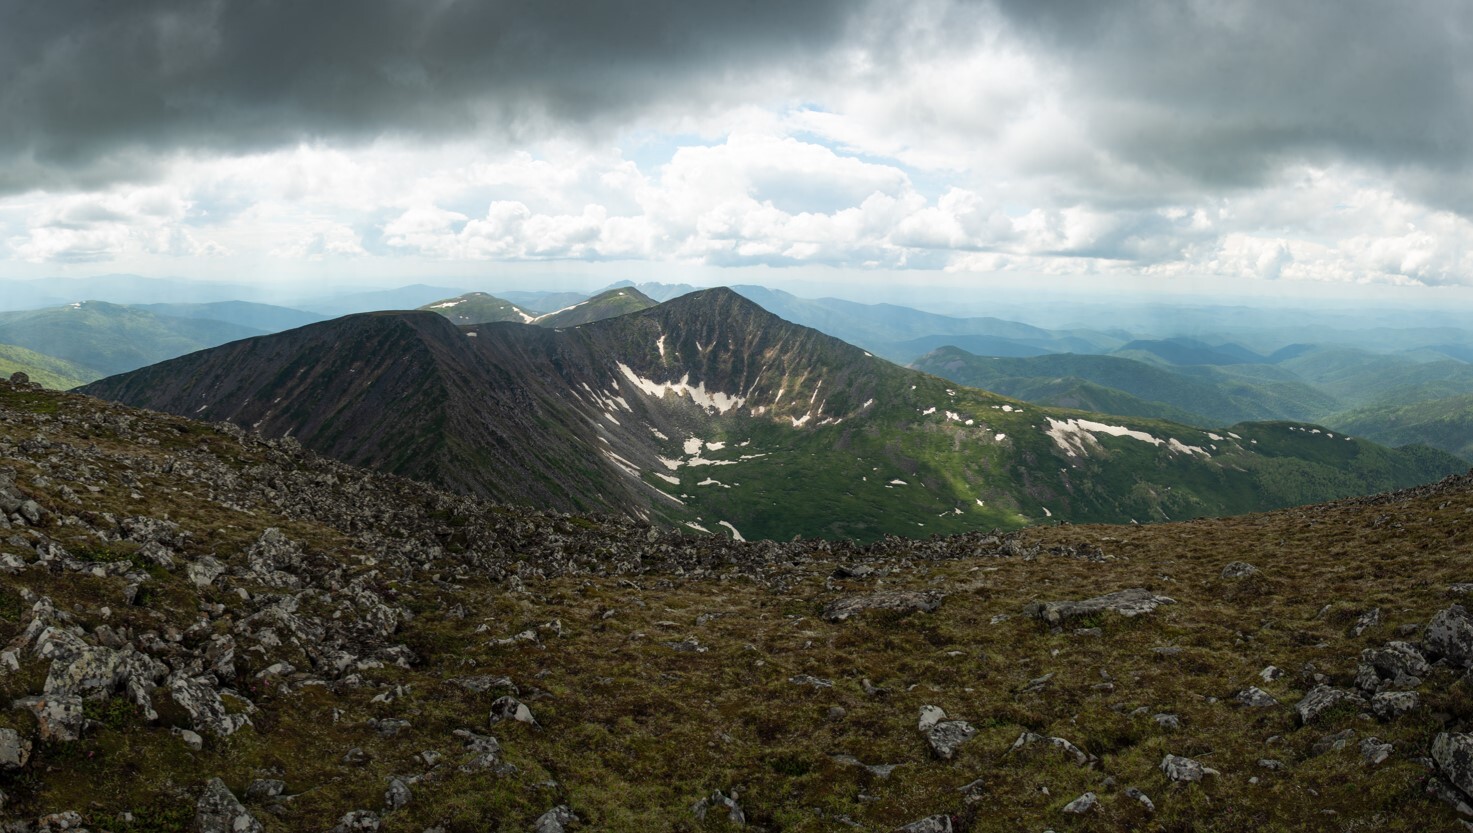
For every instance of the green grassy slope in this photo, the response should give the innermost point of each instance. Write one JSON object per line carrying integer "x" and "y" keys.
{"x": 44, "y": 370}
{"x": 1441, "y": 423}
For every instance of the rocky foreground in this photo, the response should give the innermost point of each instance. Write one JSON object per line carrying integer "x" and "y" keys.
{"x": 204, "y": 630}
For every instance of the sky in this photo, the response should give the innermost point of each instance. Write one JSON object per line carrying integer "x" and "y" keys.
{"x": 1157, "y": 146}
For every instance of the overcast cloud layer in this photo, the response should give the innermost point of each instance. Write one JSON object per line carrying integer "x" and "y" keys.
{"x": 1326, "y": 141}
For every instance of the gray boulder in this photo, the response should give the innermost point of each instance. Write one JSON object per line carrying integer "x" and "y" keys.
{"x": 58, "y": 717}
{"x": 1452, "y": 755}
{"x": 903, "y": 601}
{"x": 218, "y": 811}
{"x": 15, "y": 750}
{"x": 555, "y": 820}
{"x": 1136, "y": 601}
{"x": 720, "y": 801}
{"x": 510, "y": 708}
{"x": 1450, "y": 636}
{"x": 206, "y": 710}
{"x": 1321, "y": 698}
{"x": 1256, "y": 698}
{"x": 1239, "y": 569}
{"x": 945, "y": 736}
{"x": 397, "y": 795}
{"x": 1082, "y": 804}
{"x": 358, "y": 821}
{"x": 929, "y": 824}
{"x": 1178, "y": 768}
{"x": 1389, "y": 705}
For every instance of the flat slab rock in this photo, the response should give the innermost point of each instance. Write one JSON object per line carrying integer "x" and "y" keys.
{"x": 905, "y": 601}
{"x": 1133, "y": 602}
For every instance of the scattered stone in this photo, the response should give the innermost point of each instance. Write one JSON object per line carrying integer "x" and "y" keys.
{"x": 1374, "y": 752}
{"x": 720, "y": 801}
{"x": 805, "y": 679}
{"x": 1028, "y": 739}
{"x": 204, "y": 571}
{"x": 1397, "y": 666}
{"x": 1239, "y": 569}
{"x": 510, "y": 708}
{"x": 218, "y": 811}
{"x": 397, "y": 795}
{"x": 1144, "y": 799}
{"x": 358, "y": 821}
{"x": 265, "y": 788}
{"x": 1082, "y": 804}
{"x": 1129, "y": 603}
{"x": 902, "y": 601}
{"x": 555, "y": 820}
{"x": 854, "y": 571}
{"x": 1367, "y": 620}
{"x": 1333, "y": 743}
{"x": 944, "y": 735}
{"x": 1254, "y": 697}
{"x": 1321, "y": 698}
{"x": 1169, "y": 722}
{"x": 1178, "y": 768}
{"x": 15, "y": 750}
{"x": 58, "y": 718}
{"x": 192, "y": 741}
{"x": 929, "y": 824}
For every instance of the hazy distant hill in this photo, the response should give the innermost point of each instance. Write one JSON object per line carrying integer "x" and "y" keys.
{"x": 110, "y": 338}
{"x": 404, "y": 297}
{"x": 264, "y": 317}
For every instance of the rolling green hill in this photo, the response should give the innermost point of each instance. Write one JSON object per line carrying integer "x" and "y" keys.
{"x": 1441, "y": 423}
{"x": 477, "y": 308}
{"x": 46, "y": 371}
{"x": 609, "y": 304}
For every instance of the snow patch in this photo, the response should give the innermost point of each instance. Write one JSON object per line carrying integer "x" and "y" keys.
{"x": 659, "y": 435}
{"x": 1075, "y": 435}
{"x": 1213, "y": 437}
{"x": 693, "y": 446}
{"x": 799, "y": 422}
{"x": 953, "y": 416}
{"x": 661, "y": 344}
{"x": 697, "y": 527}
{"x": 867, "y": 403}
{"x": 471, "y": 335}
{"x": 997, "y": 438}
{"x": 710, "y": 446}
{"x": 673, "y": 481}
{"x": 929, "y": 411}
{"x": 712, "y": 401}
{"x": 898, "y": 482}
{"x": 736, "y": 536}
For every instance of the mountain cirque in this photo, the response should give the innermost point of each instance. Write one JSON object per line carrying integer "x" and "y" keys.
{"x": 709, "y": 412}
{"x": 205, "y": 629}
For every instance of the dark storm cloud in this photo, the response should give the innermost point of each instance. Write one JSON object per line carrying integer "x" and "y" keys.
{"x": 1224, "y": 92}
{"x": 98, "y": 90}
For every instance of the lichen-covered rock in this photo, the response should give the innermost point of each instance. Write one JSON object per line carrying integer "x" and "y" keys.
{"x": 1135, "y": 601}
{"x": 15, "y": 750}
{"x": 1450, "y": 636}
{"x": 929, "y": 824}
{"x": 206, "y": 711}
{"x": 358, "y": 821}
{"x": 718, "y": 800}
{"x": 945, "y": 736}
{"x": 1239, "y": 569}
{"x": 1389, "y": 705}
{"x": 1397, "y": 665}
{"x": 1028, "y": 739}
{"x": 1082, "y": 804}
{"x": 218, "y": 811}
{"x": 204, "y": 571}
{"x": 555, "y": 820}
{"x": 903, "y": 601}
{"x": 1322, "y": 698}
{"x": 397, "y": 795}
{"x": 58, "y": 716}
{"x": 1452, "y": 754}
{"x": 1177, "y": 768}
{"x": 510, "y": 708}
{"x": 1254, "y": 697}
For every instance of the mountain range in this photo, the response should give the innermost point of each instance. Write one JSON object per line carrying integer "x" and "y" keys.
{"x": 711, "y": 412}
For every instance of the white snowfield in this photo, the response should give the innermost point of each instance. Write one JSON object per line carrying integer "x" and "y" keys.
{"x": 736, "y": 536}
{"x": 1075, "y": 436}
{"x": 712, "y": 401}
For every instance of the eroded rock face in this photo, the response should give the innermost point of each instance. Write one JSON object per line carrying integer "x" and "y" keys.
{"x": 1135, "y": 601}
{"x": 904, "y": 601}
{"x": 218, "y": 811}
